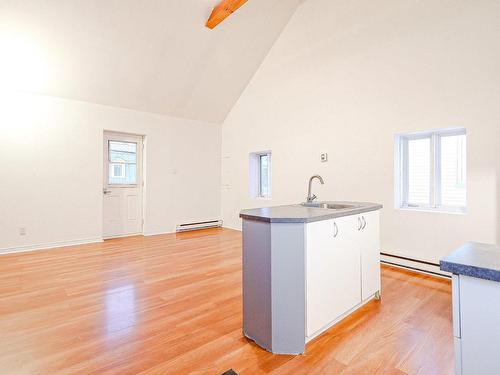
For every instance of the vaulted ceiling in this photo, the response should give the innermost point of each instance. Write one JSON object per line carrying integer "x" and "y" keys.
{"x": 155, "y": 55}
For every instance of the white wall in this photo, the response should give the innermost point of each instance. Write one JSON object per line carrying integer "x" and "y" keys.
{"x": 343, "y": 78}
{"x": 51, "y": 169}
{"x": 152, "y": 56}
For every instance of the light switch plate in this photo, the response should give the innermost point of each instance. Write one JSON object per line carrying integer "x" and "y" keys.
{"x": 324, "y": 157}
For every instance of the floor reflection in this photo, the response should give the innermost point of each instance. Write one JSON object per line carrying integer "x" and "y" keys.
{"x": 120, "y": 310}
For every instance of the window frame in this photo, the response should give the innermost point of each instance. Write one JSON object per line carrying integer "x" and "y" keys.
{"x": 261, "y": 194}
{"x": 123, "y": 164}
{"x": 401, "y": 158}
{"x": 255, "y": 175}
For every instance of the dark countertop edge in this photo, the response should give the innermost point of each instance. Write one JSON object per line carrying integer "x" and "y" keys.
{"x": 326, "y": 216}
{"x": 474, "y": 259}
{"x": 469, "y": 270}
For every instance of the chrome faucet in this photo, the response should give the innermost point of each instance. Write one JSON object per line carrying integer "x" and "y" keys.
{"x": 312, "y": 197}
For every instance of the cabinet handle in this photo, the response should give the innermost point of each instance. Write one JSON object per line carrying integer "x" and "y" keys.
{"x": 360, "y": 224}
{"x": 335, "y": 230}
{"x": 364, "y": 222}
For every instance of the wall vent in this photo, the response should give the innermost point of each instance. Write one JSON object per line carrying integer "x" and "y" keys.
{"x": 199, "y": 225}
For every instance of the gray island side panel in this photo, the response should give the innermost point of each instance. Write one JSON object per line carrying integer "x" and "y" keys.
{"x": 288, "y": 288}
{"x": 257, "y": 318}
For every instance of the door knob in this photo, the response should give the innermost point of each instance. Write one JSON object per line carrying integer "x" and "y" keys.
{"x": 106, "y": 191}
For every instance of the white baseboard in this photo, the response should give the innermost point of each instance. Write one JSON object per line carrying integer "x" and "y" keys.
{"x": 148, "y": 234}
{"x": 123, "y": 236}
{"x": 49, "y": 245}
{"x": 232, "y": 228}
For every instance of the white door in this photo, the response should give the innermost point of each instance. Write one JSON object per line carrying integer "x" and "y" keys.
{"x": 122, "y": 190}
{"x": 369, "y": 242}
{"x": 333, "y": 271}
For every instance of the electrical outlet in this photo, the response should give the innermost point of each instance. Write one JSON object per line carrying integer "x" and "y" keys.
{"x": 324, "y": 157}
{"x": 22, "y": 231}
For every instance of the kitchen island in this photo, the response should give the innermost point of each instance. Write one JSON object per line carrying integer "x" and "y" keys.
{"x": 475, "y": 269}
{"x": 306, "y": 267}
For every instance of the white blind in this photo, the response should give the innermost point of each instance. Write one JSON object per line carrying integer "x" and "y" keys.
{"x": 453, "y": 170}
{"x": 419, "y": 171}
{"x": 264, "y": 175}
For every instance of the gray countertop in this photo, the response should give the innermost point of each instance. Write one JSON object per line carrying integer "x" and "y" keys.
{"x": 474, "y": 259}
{"x": 299, "y": 214}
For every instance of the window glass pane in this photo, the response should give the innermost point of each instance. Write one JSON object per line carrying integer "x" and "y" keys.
{"x": 419, "y": 171}
{"x": 118, "y": 170}
{"x": 127, "y": 174}
{"x": 453, "y": 170}
{"x": 122, "y": 152}
{"x": 123, "y": 146}
{"x": 264, "y": 175}
{"x": 122, "y": 163}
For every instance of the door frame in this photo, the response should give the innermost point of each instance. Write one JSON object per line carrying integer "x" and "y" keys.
{"x": 120, "y": 135}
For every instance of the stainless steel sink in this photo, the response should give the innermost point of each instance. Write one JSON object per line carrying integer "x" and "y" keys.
{"x": 328, "y": 205}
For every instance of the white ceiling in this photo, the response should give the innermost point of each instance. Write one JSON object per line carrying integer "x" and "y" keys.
{"x": 149, "y": 55}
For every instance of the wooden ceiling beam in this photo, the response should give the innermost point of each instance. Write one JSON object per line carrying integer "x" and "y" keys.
{"x": 223, "y": 10}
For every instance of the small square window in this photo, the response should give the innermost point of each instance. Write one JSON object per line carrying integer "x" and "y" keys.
{"x": 260, "y": 174}
{"x": 117, "y": 171}
{"x": 430, "y": 169}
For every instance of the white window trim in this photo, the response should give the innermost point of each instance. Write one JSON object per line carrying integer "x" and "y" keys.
{"x": 401, "y": 171}
{"x": 255, "y": 175}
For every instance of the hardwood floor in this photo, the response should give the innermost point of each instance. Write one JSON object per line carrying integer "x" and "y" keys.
{"x": 171, "y": 304}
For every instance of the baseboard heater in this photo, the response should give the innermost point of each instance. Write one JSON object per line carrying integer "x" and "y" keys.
{"x": 413, "y": 264}
{"x": 199, "y": 225}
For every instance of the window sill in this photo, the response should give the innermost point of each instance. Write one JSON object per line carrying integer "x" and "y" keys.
{"x": 435, "y": 210}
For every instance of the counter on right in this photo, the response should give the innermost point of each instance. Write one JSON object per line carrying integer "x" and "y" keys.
{"x": 475, "y": 269}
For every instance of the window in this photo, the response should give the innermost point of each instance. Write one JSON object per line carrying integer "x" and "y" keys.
{"x": 431, "y": 170}
{"x": 260, "y": 174}
{"x": 264, "y": 175}
{"x": 122, "y": 163}
{"x": 118, "y": 171}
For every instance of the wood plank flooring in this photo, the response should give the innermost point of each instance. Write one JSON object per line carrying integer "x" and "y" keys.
{"x": 171, "y": 304}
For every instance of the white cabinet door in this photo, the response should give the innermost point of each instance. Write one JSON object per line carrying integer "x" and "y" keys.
{"x": 479, "y": 326}
{"x": 333, "y": 271}
{"x": 369, "y": 244}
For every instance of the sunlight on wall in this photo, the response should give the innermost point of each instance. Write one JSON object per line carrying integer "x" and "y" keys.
{"x": 497, "y": 201}
{"x": 20, "y": 114}
{"x": 23, "y": 63}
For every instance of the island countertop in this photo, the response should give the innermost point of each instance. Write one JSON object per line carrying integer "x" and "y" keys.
{"x": 474, "y": 259}
{"x": 297, "y": 213}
